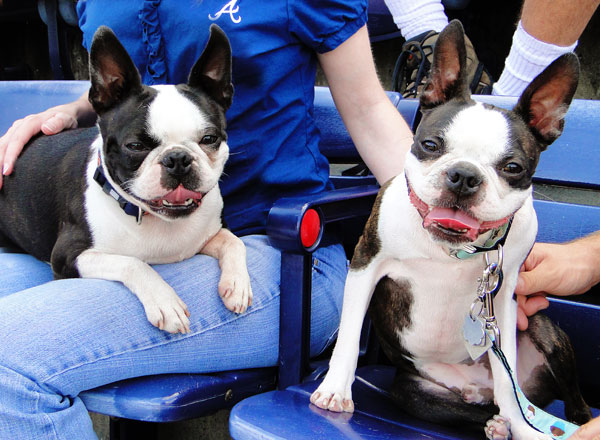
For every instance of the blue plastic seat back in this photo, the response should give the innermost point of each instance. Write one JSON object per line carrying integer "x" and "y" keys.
{"x": 336, "y": 142}
{"x": 573, "y": 159}
{"x": 22, "y": 98}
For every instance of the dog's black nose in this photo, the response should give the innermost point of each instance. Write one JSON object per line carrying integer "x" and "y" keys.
{"x": 463, "y": 180}
{"x": 177, "y": 163}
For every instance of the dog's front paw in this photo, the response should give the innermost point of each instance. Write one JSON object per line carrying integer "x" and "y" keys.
{"x": 333, "y": 397}
{"x": 168, "y": 313}
{"x": 236, "y": 292}
{"x": 497, "y": 428}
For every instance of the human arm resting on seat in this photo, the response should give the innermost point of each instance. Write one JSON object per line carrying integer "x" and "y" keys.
{"x": 381, "y": 136}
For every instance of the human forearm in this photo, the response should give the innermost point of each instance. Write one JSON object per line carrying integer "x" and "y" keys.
{"x": 381, "y": 136}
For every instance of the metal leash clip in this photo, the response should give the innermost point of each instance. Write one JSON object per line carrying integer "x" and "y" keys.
{"x": 494, "y": 275}
{"x": 480, "y": 329}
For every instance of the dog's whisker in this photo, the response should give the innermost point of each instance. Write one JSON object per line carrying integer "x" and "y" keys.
{"x": 543, "y": 196}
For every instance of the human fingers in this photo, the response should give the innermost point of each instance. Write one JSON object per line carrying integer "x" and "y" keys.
{"x": 522, "y": 321}
{"x": 534, "y": 280}
{"x": 4, "y": 140}
{"x": 535, "y": 303}
{"x": 58, "y": 122}
{"x": 535, "y": 257}
{"x": 589, "y": 431}
{"x": 528, "y": 306}
{"x": 17, "y": 136}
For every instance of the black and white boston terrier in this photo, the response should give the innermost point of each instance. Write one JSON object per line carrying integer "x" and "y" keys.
{"x": 140, "y": 188}
{"x": 467, "y": 176}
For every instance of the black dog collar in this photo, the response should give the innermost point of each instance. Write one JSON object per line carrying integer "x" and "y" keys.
{"x": 128, "y": 207}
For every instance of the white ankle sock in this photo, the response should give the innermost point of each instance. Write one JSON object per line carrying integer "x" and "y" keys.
{"x": 413, "y": 17}
{"x": 528, "y": 57}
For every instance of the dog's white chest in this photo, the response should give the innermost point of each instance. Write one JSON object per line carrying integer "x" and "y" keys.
{"x": 439, "y": 305}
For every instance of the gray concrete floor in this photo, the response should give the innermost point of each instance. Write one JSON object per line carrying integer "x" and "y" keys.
{"x": 212, "y": 427}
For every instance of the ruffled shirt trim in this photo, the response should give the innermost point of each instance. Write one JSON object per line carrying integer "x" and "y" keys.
{"x": 156, "y": 66}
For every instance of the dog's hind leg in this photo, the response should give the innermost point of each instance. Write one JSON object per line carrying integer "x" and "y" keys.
{"x": 433, "y": 402}
{"x": 555, "y": 346}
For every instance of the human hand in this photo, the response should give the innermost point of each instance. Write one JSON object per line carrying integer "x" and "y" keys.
{"x": 51, "y": 121}
{"x": 558, "y": 269}
{"x": 589, "y": 431}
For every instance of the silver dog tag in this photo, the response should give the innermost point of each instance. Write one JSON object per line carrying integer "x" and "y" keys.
{"x": 476, "y": 340}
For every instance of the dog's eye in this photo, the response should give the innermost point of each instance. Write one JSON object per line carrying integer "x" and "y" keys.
{"x": 209, "y": 139}
{"x": 512, "y": 168}
{"x": 135, "y": 146}
{"x": 430, "y": 146}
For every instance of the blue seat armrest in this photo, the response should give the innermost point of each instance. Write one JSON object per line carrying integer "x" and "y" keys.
{"x": 283, "y": 228}
{"x": 285, "y": 217}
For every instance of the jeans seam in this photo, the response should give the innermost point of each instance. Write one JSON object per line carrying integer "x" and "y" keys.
{"x": 36, "y": 404}
{"x": 147, "y": 347}
{"x": 55, "y": 432}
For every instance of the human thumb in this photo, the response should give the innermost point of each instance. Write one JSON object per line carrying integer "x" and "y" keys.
{"x": 58, "y": 123}
{"x": 530, "y": 282}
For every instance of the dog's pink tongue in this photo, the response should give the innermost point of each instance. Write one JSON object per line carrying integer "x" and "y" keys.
{"x": 453, "y": 219}
{"x": 180, "y": 195}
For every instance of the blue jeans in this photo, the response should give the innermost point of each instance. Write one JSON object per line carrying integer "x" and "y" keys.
{"x": 58, "y": 338}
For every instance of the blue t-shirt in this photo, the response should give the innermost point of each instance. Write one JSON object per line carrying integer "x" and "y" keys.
{"x": 271, "y": 132}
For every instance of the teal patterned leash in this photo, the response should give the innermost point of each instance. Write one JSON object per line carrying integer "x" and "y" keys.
{"x": 481, "y": 333}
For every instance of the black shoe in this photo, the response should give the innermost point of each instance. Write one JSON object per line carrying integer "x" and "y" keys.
{"x": 414, "y": 62}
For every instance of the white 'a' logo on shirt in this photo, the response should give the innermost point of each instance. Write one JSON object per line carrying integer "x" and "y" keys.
{"x": 230, "y": 8}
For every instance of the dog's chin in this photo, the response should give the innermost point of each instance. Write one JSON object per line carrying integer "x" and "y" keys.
{"x": 177, "y": 203}
{"x": 452, "y": 225}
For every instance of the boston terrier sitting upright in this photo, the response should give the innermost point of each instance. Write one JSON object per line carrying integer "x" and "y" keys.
{"x": 467, "y": 177}
{"x": 140, "y": 188}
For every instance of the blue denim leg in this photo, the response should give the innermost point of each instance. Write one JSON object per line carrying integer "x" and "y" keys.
{"x": 62, "y": 337}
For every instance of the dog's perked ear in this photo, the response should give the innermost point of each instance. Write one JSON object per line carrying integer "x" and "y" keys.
{"x": 544, "y": 103}
{"x": 212, "y": 71}
{"x": 448, "y": 77}
{"x": 112, "y": 72}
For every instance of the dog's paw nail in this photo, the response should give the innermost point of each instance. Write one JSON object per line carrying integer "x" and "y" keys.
{"x": 348, "y": 405}
{"x": 335, "y": 406}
